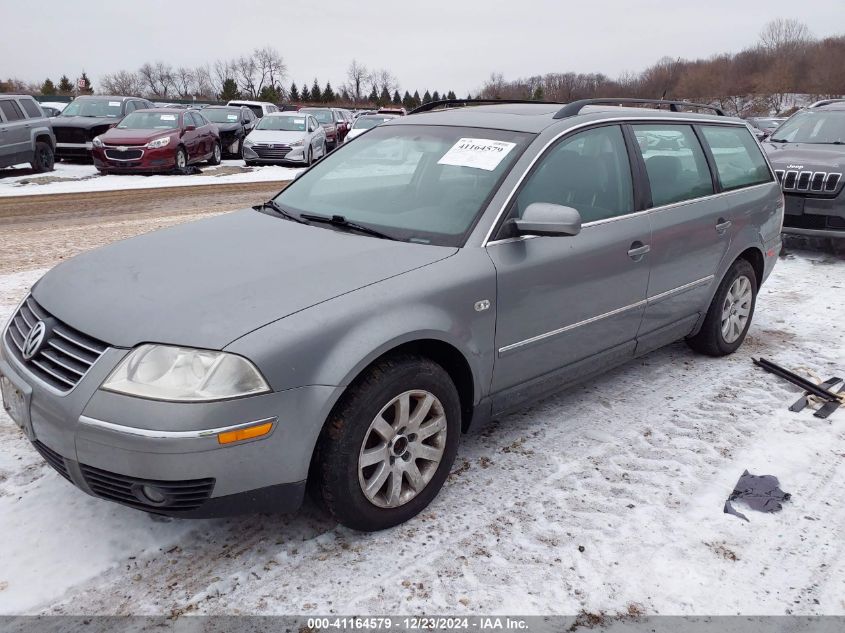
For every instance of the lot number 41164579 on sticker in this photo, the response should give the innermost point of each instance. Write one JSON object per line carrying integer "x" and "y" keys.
{"x": 480, "y": 153}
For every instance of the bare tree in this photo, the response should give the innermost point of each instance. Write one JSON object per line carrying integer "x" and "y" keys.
{"x": 784, "y": 34}
{"x": 204, "y": 82}
{"x": 271, "y": 68}
{"x": 356, "y": 77}
{"x": 383, "y": 80}
{"x": 147, "y": 77}
{"x": 185, "y": 81}
{"x": 123, "y": 82}
{"x": 223, "y": 71}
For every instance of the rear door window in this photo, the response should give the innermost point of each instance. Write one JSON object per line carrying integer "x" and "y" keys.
{"x": 31, "y": 109}
{"x": 675, "y": 162}
{"x": 589, "y": 172}
{"x": 11, "y": 111}
{"x": 738, "y": 159}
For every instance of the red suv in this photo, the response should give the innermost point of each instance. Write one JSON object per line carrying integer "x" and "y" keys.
{"x": 154, "y": 140}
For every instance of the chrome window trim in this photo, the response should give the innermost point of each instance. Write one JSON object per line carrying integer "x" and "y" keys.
{"x": 168, "y": 435}
{"x": 567, "y": 328}
{"x": 645, "y": 302}
{"x": 620, "y": 120}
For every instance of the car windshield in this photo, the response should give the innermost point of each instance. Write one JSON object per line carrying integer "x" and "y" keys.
{"x": 283, "y": 123}
{"x": 93, "y": 107}
{"x": 149, "y": 121}
{"x": 222, "y": 115}
{"x": 323, "y": 116}
{"x": 424, "y": 184}
{"x": 813, "y": 127}
{"x": 368, "y": 122}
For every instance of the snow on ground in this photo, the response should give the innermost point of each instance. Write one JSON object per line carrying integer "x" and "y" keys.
{"x": 606, "y": 496}
{"x": 83, "y": 178}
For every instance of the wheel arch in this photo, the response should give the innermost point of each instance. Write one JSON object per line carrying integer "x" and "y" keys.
{"x": 753, "y": 256}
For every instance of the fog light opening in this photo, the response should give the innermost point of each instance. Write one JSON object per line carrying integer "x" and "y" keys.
{"x": 151, "y": 495}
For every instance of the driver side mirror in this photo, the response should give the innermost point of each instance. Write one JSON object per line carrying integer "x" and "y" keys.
{"x": 544, "y": 218}
{"x": 190, "y": 128}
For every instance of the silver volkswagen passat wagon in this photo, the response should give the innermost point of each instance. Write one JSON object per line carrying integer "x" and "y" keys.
{"x": 444, "y": 268}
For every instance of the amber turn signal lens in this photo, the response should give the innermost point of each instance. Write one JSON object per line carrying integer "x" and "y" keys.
{"x": 248, "y": 433}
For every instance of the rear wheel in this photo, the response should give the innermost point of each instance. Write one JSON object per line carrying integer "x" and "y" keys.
{"x": 729, "y": 315}
{"x": 387, "y": 449}
{"x": 216, "y": 154}
{"x": 42, "y": 158}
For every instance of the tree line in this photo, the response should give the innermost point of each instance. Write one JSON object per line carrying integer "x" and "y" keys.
{"x": 260, "y": 75}
{"x": 762, "y": 79}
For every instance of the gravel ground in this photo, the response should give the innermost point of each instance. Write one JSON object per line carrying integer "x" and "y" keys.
{"x": 605, "y": 499}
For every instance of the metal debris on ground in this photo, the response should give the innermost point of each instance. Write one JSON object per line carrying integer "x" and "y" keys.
{"x": 761, "y": 493}
{"x": 821, "y": 392}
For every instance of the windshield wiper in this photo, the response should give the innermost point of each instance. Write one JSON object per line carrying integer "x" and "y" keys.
{"x": 287, "y": 215}
{"x": 339, "y": 220}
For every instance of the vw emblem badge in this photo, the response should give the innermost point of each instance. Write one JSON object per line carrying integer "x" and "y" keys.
{"x": 34, "y": 340}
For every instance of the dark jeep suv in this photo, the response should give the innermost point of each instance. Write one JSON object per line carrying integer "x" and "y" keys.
{"x": 808, "y": 155}
{"x": 87, "y": 117}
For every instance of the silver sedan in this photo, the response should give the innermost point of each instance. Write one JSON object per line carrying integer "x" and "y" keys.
{"x": 285, "y": 137}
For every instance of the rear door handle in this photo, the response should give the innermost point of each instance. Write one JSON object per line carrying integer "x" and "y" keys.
{"x": 723, "y": 225}
{"x": 637, "y": 250}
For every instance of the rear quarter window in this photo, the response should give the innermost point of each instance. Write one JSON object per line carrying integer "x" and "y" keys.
{"x": 739, "y": 161}
{"x": 32, "y": 110}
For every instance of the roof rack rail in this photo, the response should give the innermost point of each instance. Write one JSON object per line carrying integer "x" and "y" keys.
{"x": 431, "y": 105}
{"x": 825, "y": 102}
{"x": 571, "y": 109}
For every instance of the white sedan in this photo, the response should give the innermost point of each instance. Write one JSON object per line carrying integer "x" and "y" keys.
{"x": 367, "y": 122}
{"x": 285, "y": 137}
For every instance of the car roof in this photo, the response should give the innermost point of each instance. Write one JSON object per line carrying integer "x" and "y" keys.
{"x": 223, "y": 107}
{"x": 836, "y": 105}
{"x": 109, "y": 97}
{"x": 165, "y": 110}
{"x": 235, "y": 102}
{"x": 535, "y": 117}
{"x": 286, "y": 113}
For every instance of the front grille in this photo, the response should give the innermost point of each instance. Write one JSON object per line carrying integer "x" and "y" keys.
{"x": 66, "y": 354}
{"x": 126, "y": 154}
{"x": 70, "y": 134}
{"x": 184, "y": 495}
{"x": 271, "y": 151}
{"x": 811, "y": 182}
{"x": 53, "y": 458}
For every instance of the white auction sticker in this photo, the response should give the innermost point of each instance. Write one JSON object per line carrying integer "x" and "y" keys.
{"x": 167, "y": 117}
{"x": 480, "y": 153}
{"x": 114, "y": 103}
{"x": 232, "y": 117}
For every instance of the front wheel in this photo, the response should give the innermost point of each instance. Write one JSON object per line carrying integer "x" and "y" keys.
{"x": 181, "y": 159}
{"x": 387, "y": 449}
{"x": 729, "y": 315}
{"x": 43, "y": 158}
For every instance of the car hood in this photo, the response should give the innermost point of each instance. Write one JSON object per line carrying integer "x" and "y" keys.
{"x": 133, "y": 137}
{"x": 206, "y": 283}
{"x": 275, "y": 136}
{"x": 806, "y": 156}
{"x": 84, "y": 122}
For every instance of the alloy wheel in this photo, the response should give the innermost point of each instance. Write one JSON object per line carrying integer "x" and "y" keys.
{"x": 402, "y": 449}
{"x": 736, "y": 309}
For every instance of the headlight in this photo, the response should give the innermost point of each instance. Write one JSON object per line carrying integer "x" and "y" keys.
{"x": 164, "y": 141}
{"x": 248, "y": 141}
{"x": 180, "y": 374}
{"x": 98, "y": 142}
{"x": 298, "y": 143}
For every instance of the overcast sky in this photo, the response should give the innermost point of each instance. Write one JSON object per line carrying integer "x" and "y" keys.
{"x": 434, "y": 44}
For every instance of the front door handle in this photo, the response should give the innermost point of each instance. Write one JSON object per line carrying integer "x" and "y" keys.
{"x": 723, "y": 225}
{"x": 637, "y": 250}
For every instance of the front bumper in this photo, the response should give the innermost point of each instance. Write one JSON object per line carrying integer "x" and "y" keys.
{"x": 74, "y": 150}
{"x": 150, "y": 161}
{"x": 815, "y": 217}
{"x": 295, "y": 155}
{"x": 108, "y": 446}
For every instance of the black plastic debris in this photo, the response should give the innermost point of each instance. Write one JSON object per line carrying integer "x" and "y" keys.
{"x": 761, "y": 493}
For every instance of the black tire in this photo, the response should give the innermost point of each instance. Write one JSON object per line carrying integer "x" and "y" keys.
{"x": 309, "y": 160}
{"x": 43, "y": 158}
{"x": 184, "y": 167}
{"x": 249, "y": 163}
{"x": 216, "y": 154}
{"x": 710, "y": 340}
{"x": 343, "y": 436}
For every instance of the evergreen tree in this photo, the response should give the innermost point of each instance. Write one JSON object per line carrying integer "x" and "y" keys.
{"x": 426, "y": 97}
{"x": 65, "y": 87}
{"x": 397, "y": 100}
{"x": 407, "y": 101}
{"x": 469, "y": 95}
{"x": 373, "y": 98}
{"x": 230, "y": 90}
{"x": 269, "y": 93}
{"x": 294, "y": 92}
{"x": 435, "y": 96}
{"x": 384, "y": 97}
{"x": 306, "y": 94}
{"x": 539, "y": 93}
{"x": 48, "y": 88}
{"x": 344, "y": 95}
{"x": 316, "y": 94}
{"x": 88, "y": 89}
{"x": 328, "y": 94}
{"x": 451, "y": 95}
{"x": 416, "y": 98}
